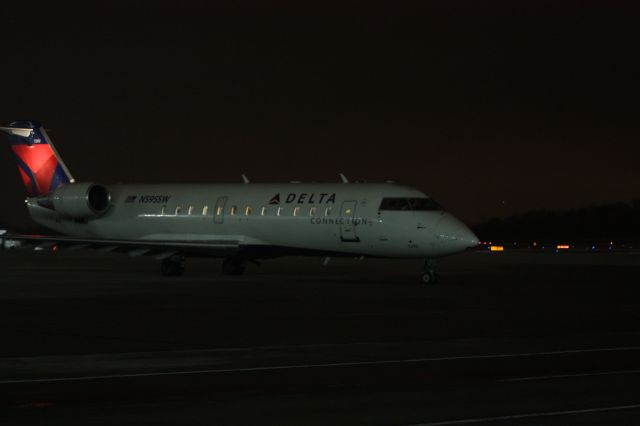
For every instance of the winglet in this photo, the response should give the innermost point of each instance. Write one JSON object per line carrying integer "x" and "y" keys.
{"x": 343, "y": 178}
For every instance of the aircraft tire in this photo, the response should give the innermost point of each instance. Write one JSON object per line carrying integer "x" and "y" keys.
{"x": 429, "y": 277}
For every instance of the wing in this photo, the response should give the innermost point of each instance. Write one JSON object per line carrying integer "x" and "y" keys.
{"x": 158, "y": 249}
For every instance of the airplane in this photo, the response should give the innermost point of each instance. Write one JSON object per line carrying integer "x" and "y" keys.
{"x": 240, "y": 223}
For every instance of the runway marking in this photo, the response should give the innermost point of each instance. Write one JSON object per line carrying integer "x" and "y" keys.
{"x": 319, "y": 365}
{"x": 531, "y": 415}
{"x": 562, "y": 376}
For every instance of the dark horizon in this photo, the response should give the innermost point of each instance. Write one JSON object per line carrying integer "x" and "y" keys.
{"x": 492, "y": 109}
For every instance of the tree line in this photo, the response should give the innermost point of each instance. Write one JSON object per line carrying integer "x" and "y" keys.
{"x": 601, "y": 222}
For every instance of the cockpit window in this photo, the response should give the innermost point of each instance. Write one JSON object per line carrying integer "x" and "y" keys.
{"x": 395, "y": 204}
{"x": 424, "y": 204}
{"x": 418, "y": 204}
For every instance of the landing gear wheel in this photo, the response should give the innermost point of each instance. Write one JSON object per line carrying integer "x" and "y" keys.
{"x": 429, "y": 277}
{"x": 233, "y": 266}
{"x": 172, "y": 266}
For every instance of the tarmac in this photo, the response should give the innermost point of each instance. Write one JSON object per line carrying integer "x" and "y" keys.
{"x": 512, "y": 338}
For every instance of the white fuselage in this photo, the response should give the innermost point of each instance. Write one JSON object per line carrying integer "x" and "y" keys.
{"x": 273, "y": 219}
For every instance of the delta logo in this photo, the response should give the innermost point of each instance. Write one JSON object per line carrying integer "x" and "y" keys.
{"x": 275, "y": 199}
{"x": 305, "y": 198}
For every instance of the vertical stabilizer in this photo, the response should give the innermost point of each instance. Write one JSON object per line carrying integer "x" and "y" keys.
{"x": 40, "y": 165}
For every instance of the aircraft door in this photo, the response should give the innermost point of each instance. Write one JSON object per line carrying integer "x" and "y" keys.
{"x": 218, "y": 213}
{"x": 347, "y": 226}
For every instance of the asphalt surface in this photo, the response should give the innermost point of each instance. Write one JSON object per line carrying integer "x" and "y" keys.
{"x": 505, "y": 339}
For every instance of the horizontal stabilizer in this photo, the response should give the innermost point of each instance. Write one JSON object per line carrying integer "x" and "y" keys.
{"x": 22, "y": 132}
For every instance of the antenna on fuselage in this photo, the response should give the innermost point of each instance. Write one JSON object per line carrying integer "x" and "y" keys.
{"x": 343, "y": 178}
{"x": 245, "y": 179}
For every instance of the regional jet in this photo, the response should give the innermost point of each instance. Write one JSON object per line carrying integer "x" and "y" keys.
{"x": 240, "y": 223}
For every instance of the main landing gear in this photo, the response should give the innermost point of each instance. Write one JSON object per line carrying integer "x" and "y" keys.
{"x": 233, "y": 266}
{"x": 429, "y": 276}
{"x": 172, "y": 266}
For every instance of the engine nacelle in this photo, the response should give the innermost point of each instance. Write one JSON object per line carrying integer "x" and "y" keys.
{"x": 80, "y": 200}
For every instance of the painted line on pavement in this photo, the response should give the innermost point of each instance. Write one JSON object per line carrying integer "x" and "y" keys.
{"x": 531, "y": 415}
{"x": 563, "y": 376}
{"x": 305, "y": 366}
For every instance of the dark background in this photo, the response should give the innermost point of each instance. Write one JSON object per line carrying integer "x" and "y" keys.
{"x": 491, "y": 108}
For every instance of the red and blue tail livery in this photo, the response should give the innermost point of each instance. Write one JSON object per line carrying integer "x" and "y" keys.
{"x": 40, "y": 166}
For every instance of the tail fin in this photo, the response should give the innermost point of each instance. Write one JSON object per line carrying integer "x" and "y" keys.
{"x": 40, "y": 165}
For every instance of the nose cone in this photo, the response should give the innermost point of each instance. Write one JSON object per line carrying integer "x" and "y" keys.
{"x": 454, "y": 236}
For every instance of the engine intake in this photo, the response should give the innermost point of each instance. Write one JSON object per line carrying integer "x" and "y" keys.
{"x": 80, "y": 200}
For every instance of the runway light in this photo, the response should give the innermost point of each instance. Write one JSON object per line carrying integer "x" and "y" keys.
{"x": 497, "y": 248}
{"x": 562, "y": 246}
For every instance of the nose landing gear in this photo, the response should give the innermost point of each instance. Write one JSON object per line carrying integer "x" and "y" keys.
{"x": 429, "y": 276}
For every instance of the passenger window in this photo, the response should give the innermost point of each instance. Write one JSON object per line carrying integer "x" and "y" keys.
{"x": 190, "y": 210}
{"x": 263, "y": 212}
{"x": 312, "y": 211}
{"x": 233, "y": 210}
{"x": 296, "y": 211}
{"x": 247, "y": 211}
{"x": 162, "y": 212}
{"x": 280, "y": 209}
{"x": 219, "y": 211}
{"x": 178, "y": 208}
{"x": 327, "y": 211}
{"x": 205, "y": 210}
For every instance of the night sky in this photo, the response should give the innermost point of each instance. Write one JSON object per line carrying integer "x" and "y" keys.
{"x": 491, "y": 108}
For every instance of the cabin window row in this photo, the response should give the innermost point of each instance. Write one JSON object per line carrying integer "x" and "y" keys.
{"x": 247, "y": 211}
{"x": 191, "y": 210}
{"x": 279, "y": 211}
